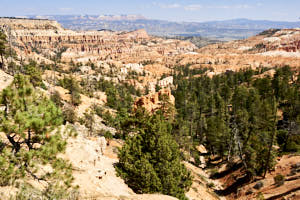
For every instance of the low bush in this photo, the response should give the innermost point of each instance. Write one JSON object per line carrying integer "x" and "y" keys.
{"x": 279, "y": 179}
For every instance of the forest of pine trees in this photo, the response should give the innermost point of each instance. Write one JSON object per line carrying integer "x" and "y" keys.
{"x": 236, "y": 115}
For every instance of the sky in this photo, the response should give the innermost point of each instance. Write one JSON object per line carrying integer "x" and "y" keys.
{"x": 172, "y": 10}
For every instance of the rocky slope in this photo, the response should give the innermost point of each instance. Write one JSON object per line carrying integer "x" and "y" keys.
{"x": 46, "y": 41}
{"x": 266, "y": 188}
{"x": 270, "y": 49}
{"x": 47, "y": 38}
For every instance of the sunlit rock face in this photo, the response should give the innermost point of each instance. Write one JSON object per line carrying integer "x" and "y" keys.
{"x": 48, "y": 38}
{"x": 152, "y": 102}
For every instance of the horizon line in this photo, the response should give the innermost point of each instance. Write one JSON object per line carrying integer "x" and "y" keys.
{"x": 146, "y": 18}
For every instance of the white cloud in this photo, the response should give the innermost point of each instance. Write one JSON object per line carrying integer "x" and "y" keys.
{"x": 193, "y": 7}
{"x": 240, "y": 6}
{"x": 175, "y": 5}
{"x": 219, "y": 7}
{"x": 167, "y": 6}
{"x": 65, "y": 9}
{"x": 243, "y": 6}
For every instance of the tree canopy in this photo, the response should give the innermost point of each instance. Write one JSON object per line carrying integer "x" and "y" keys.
{"x": 32, "y": 139}
{"x": 150, "y": 159}
{"x": 236, "y": 115}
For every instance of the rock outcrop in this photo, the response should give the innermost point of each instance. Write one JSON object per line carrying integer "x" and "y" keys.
{"x": 287, "y": 40}
{"x": 5, "y": 80}
{"x": 153, "y": 102}
{"x": 275, "y": 49}
{"x": 49, "y": 39}
{"x": 27, "y": 24}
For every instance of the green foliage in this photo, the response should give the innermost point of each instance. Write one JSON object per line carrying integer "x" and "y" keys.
{"x": 119, "y": 96}
{"x": 69, "y": 114}
{"x": 34, "y": 73}
{"x": 72, "y": 85}
{"x": 269, "y": 32}
{"x": 260, "y": 196}
{"x": 279, "y": 179}
{"x": 235, "y": 115}
{"x": 211, "y": 185}
{"x": 27, "y": 192}
{"x": 30, "y": 122}
{"x": 89, "y": 121}
{"x": 56, "y": 98}
{"x": 108, "y": 135}
{"x": 149, "y": 162}
{"x": 3, "y": 43}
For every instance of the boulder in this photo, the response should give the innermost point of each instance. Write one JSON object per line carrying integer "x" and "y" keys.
{"x": 258, "y": 185}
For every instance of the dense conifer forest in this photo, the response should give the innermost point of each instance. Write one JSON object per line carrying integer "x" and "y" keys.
{"x": 239, "y": 115}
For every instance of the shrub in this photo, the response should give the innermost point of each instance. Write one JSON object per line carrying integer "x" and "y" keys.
{"x": 279, "y": 179}
{"x": 213, "y": 172}
{"x": 56, "y": 98}
{"x": 211, "y": 185}
{"x": 260, "y": 196}
{"x": 108, "y": 135}
{"x": 69, "y": 114}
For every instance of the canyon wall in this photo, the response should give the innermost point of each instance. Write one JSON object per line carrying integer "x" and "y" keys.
{"x": 27, "y": 24}
{"x": 49, "y": 39}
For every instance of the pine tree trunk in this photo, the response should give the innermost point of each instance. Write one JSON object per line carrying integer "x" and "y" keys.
{"x": 272, "y": 139}
{"x": 28, "y": 142}
{"x": 2, "y": 61}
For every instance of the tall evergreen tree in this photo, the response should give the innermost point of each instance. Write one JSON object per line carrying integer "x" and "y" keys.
{"x": 30, "y": 122}
{"x": 3, "y": 43}
{"x": 150, "y": 159}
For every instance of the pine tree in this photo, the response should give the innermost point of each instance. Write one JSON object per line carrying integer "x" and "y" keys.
{"x": 30, "y": 122}
{"x": 72, "y": 85}
{"x": 3, "y": 43}
{"x": 89, "y": 121}
{"x": 150, "y": 159}
{"x": 35, "y": 74}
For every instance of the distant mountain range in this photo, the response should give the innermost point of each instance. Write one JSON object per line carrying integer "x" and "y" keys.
{"x": 221, "y": 30}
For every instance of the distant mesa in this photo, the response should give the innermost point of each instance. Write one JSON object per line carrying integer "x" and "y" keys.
{"x": 108, "y": 30}
{"x": 221, "y": 30}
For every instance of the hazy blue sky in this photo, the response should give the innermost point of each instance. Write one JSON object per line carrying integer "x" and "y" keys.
{"x": 175, "y": 10}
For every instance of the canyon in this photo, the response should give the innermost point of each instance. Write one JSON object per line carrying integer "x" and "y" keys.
{"x": 46, "y": 40}
{"x": 148, "y": 64}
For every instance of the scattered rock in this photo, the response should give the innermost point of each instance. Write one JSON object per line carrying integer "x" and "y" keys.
{"x": 296, "y": 166}
{"x": 249, "y": 191}
{"x": 258, "y": 185}
{"x": 201, "y": 149}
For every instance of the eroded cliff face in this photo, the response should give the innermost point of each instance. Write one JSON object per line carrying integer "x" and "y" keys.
{"x": 46, "y": 40}
{"x": 49, "y": 39}
{"x": 273, "y": 49}
{"x": 25, "y": 24}
{"x": 287, "y": 40}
